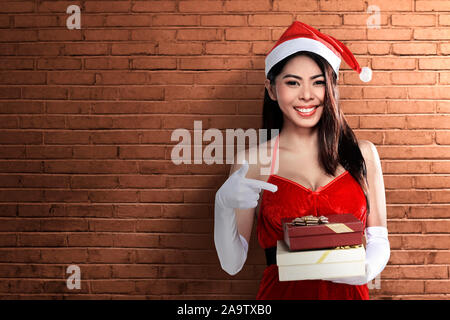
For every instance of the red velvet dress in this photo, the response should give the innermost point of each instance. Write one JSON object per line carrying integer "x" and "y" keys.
{"x": 341, "y": 195}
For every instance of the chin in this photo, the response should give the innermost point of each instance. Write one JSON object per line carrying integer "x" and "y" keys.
{"x": 306, "y": 122}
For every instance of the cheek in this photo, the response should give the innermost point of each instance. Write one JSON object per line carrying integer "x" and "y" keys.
{"x": 286, "y": 95}
{"x": 319, "y": 112}
{"x": 320, "y": 93}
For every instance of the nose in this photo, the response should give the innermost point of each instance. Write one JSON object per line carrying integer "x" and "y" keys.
{"x": 305, "y": 93}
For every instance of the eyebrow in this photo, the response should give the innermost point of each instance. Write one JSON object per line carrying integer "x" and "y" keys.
{"x": 300, "y": 78}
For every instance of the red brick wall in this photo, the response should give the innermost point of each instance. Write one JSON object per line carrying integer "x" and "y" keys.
{"x": 86, "y": 117}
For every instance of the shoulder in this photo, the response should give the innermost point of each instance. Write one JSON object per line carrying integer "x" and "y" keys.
{"x": 368, "y": 150}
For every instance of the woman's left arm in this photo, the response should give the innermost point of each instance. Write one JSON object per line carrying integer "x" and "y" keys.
{"x": 377, "y": 243}
{"x": 377, "y": 195}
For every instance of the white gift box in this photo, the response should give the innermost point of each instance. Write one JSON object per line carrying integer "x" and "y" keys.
{"x": 320, "y": 264}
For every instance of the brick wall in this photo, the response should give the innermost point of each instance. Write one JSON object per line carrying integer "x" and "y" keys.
{"x": 86, "y": 117}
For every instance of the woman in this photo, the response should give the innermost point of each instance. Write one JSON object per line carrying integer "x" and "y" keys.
{"x": 318, "y": 167}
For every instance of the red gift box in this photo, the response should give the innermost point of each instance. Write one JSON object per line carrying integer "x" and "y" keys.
{"x": 342, "y": 230}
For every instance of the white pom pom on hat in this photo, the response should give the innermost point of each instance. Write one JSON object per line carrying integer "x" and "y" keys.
{"x": 302, "y": 37}
{"x": 365, "y": 74}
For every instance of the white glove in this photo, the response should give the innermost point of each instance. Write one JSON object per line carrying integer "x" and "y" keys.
{"x": 377, "y": 256}
{"x": 237, "y": 192}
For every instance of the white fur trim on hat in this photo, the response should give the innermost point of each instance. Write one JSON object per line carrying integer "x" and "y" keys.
{"x": 289, "y": 47}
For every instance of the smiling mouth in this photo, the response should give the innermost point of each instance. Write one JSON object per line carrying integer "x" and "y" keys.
{"x": 305, "y": 109}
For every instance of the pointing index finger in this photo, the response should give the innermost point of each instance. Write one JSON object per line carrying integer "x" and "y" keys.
{"x": 261, "y": 185}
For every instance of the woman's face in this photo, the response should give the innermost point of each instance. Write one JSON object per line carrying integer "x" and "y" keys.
{"x": 300, "y": 91}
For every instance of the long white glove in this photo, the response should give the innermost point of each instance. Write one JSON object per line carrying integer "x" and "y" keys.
{"x": 237, "y": 192}
{"x": 377, "y": 256}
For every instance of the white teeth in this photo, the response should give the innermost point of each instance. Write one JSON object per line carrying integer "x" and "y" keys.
{"x": 305, "y": 110}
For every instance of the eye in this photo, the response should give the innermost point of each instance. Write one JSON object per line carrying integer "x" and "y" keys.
{"x": 291, "y": 83}
{"x": 320, "y": 82}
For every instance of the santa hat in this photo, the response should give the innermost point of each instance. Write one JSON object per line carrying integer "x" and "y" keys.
{"x": 302, "y": 37}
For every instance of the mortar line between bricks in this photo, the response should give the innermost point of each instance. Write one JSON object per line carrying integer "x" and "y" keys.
{"x": 168, "y": 160}
{"x": 185, "y": 189}
{"x": 197, "y": 264}
{"x": 178, "y": 204}
{"x": 203, "y": 203}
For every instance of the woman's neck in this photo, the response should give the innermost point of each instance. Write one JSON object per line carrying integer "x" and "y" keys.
{"x": 299, "y": 138}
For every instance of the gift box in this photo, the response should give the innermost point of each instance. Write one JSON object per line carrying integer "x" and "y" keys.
{"x": 320, "y": 264}
{"x": 340, "y": 230}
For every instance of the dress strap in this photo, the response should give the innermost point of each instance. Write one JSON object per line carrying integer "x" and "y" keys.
{"x": 274, "y": 155}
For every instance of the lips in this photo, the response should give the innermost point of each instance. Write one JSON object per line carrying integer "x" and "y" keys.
{"x": 306, "y": 111}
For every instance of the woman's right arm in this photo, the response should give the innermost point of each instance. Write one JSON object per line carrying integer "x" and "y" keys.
{"x": 234, "y": 210}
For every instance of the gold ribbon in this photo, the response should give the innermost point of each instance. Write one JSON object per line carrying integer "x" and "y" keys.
{"x": 327, "y": 252}
{"x": 338, "y": 227}
{"x": 324, "y": 255}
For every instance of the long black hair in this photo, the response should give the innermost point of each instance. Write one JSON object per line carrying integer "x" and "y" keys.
{"x": 337, "y": 142}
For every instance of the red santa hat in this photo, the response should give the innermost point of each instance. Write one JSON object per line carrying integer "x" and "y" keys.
{"x": 302, "y": 37}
